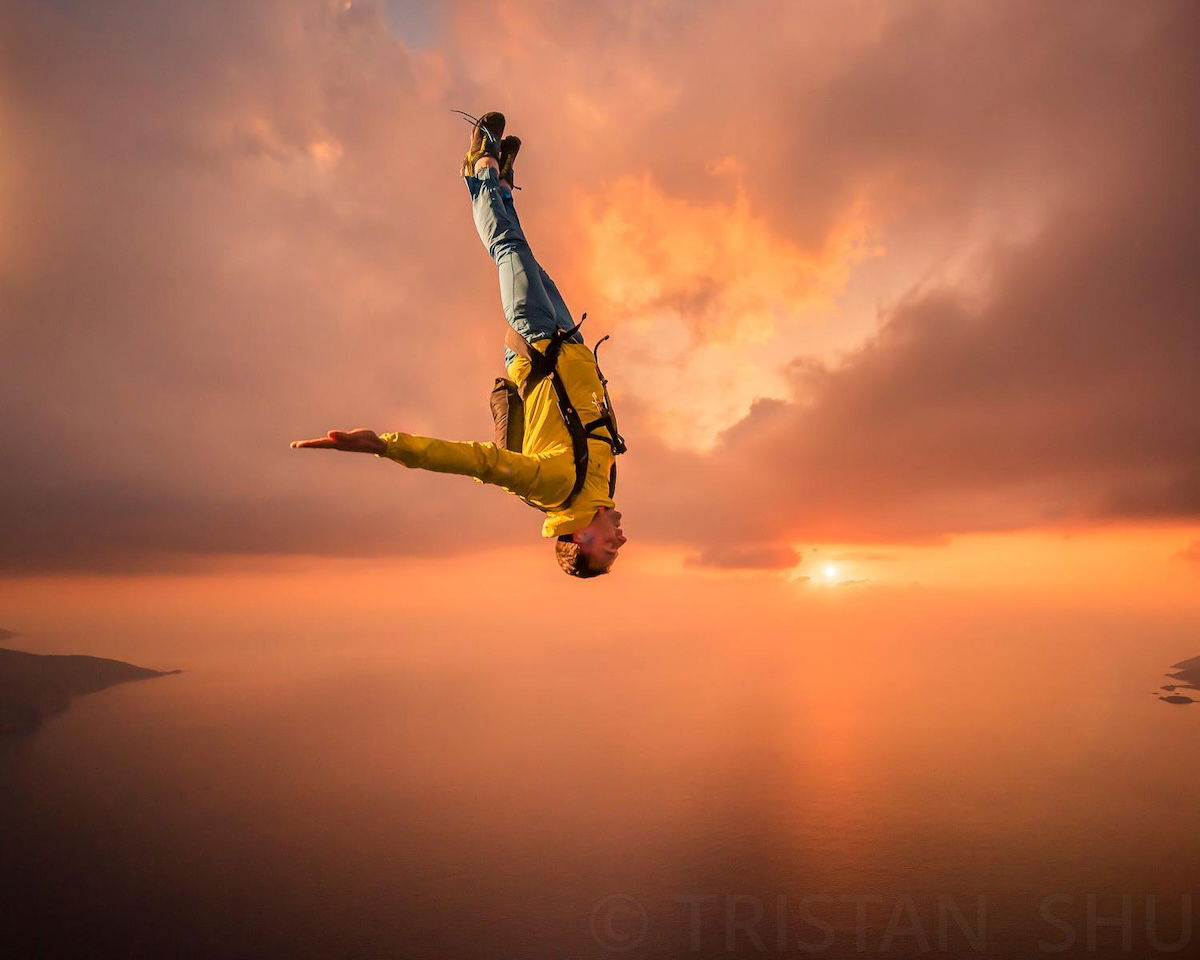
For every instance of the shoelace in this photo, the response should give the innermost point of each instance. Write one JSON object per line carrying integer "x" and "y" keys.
{"x": 475, "y": 122}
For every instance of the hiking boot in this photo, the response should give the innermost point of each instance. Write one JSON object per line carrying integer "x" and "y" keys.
{"x": 485, "y": 141}
{"x": 509, "y": 147}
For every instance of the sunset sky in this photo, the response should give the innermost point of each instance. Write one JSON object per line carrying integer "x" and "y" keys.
{"x": 901, "y": 294}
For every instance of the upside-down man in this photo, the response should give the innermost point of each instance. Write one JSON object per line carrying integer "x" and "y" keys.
{"x": 556, "y": 437}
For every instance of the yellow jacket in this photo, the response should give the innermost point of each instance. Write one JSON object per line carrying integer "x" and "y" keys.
{"x": 544, "y": 470}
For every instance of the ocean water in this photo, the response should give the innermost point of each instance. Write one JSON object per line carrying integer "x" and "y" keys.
{"x": 901, "y": 781}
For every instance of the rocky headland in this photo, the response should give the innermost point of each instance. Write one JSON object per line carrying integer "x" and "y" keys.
{"x": 33, "y": 686}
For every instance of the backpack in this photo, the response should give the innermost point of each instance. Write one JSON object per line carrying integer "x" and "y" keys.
{"x": 508, "y": 409}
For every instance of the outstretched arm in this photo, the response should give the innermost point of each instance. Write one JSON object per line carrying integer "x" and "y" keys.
{"x": 546, "y": 478}
{"x": 360, "y": 440}
{"x": 540, "y": 478}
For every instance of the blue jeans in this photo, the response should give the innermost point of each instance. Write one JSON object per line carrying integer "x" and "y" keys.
{"x": 532, "y": 304}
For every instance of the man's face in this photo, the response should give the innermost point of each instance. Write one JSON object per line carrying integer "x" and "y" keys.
{"x": 601, "y": 540}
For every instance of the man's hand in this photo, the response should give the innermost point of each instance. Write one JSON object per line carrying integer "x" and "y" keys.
{"x": 352, "y": 441}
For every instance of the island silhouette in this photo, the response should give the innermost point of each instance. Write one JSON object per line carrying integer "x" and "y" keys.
{"x": 33, "y": 686}
{"x": 1188, "y": 675}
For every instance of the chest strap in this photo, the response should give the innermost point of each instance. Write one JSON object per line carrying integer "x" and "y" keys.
{"x": 543, "y": 366}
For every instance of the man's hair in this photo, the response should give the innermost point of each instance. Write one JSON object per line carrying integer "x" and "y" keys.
{"x": 573, "y": 560}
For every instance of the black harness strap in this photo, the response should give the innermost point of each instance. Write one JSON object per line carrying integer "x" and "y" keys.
{"x": 616, "y": 440}
{"x": 543, "y": 365}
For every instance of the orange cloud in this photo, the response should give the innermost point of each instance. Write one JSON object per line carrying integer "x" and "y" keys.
{"x": 716, "y": 269}
{"x": 747, "y": 557}
{"x": 704, "y": 294}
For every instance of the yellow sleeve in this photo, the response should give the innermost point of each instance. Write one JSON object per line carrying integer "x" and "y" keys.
{"x": 523, "y": 475}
